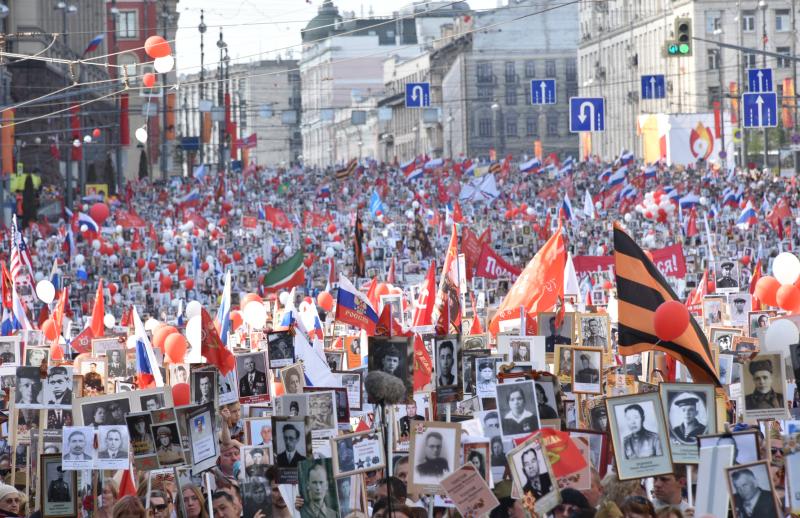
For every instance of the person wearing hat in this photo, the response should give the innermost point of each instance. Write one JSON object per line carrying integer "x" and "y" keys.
{"x": 690, "y": 428}
{"x": 58, "y": 489}
{"x": 486, "y": 378}
{"x": 587, "y": 374}
{"x": 571, "y": 501}
{"x": 10, "y": 500}
{"x": 727, "y": 281}
{"x": 168, "y": 452}
{"x": 764, "y": 396}
{"x": 738, "y": 314}
{"x": 599, "y": 419}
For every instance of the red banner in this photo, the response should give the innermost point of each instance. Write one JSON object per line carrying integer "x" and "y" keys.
{"x": 248, "y": 142}
{"x": 471, "y": 246}
{"x": 669, "y": 261}
{"x": 492, "y": 266}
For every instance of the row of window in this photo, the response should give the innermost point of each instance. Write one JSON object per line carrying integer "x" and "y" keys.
{"x": 751, "y": 60}
{"x": 515, "y": 95}
{"x": 485, "y": 74}
{"x": 782, "y": 21}
{"x": 486, "y": 126}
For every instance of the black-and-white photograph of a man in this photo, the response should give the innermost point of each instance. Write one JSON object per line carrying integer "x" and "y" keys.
{"x": 752, "y": 491}
{"x": 290, "y": 442}
{"x": 537, "y": 480}
{"x": 58, "y": 389}
{"x": 763, "y": 385}
{"x": 639, "y": 442}
{"x": 727, "y": 277}
{"x": 78, "y": 447}
{"x": 688, "y": 416}
{"x": 586, "y": 366}
{"x": 555, "y": 335}
{"x": 250, "y": 368}
{"x": 281, "y": 350}
{"x": 545, "y": 400}
{"x": 446, "y": 355}
{"x": 594, "y": 331}
{"x": 435, "y": 452}
{"x": 204, "y": 389}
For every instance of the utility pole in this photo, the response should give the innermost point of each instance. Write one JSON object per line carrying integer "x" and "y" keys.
{"x": 68, "y": 138}
{"x": 202, "y": 86}
{"x": 164, "y": 144}
{"x": 763, "y": 5}
{"x": 794, "y": 65}
{"x": 120, "y": 174}
{"x": 740, "y": 72}
{"x": 221, "y": 105}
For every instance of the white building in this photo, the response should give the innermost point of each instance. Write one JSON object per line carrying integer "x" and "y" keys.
{"x": 621, "y": 40}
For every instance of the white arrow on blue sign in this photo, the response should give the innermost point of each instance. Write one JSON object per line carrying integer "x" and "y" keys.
{"x": 543, "y": 91}
{"x": 586, "y": 114}
{"x": 653, "y": 87}
{"x": 759, "y": 80}
{"x": 760, "y": 110}
{"x": 418, "y": 95}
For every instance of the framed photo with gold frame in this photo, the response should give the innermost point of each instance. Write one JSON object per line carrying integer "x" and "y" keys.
{"x": 58, "y": 493}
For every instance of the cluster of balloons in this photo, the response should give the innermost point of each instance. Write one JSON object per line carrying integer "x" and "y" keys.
{"x": 656, "y": 205}
{"x": 781, "y": 289}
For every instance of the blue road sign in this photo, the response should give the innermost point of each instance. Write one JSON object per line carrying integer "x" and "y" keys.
{"x": 760, "y": 80}
{"x": 760, "y": 110}
{"x": 586, "y": 114}
{"x": 418, "y": 95}
{"x": 653, "y": 87}
{"x": 543, "y": 91}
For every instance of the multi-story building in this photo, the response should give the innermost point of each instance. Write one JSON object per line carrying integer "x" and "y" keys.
{"x": 620, "y": 41}
{"x": 486, "y": 91}
{"x": 265, "y": 101}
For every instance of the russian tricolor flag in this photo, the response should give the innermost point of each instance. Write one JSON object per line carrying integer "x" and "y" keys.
{"x": 94, "y": 44}
{"x": 689, "y": 201}
{"x": 191, "y": 196}
{"x": 532, "y": 165}
{"x": 434, "y": 163}
{"x": 617, "y": 177}
{"x": 85, "y": 219}
{"x": 147, "y": 372}
{"x": 748, "y": 216}
{"x": 626, "y": 157}
{"x": 416, "y": 174}
{"x": 650, "y": 171}
{"x": 353, "y": 307}
{"x": 606, "y": 174}
{"x": 223, "y": 316}
{"x": 409, "y": 166}
{"x": 566, "y": 207}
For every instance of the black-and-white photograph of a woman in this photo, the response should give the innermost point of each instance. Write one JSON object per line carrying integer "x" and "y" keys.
{"x": 518, "y": 409}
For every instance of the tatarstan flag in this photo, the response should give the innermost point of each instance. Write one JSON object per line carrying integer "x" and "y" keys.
{"x": 288, "y": 274}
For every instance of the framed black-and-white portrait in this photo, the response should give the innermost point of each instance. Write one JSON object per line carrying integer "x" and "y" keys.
{"x": 352, "y": 494}
{"x": 203, "y": 446}
{"x": 516, "y": 347}
{"x": 281, "y": 350}
{"x": 751, "y": 489}
{"x": 478, "y": 454}
{"x": 392, "y": 356}
{"x": 746, "y": 445}
{"x": 563, "y": 363}
{"x": 727, "y": 276}
{"x": 595, "y": 330}
{"x": 638, "y": 429}
{"x": 713, "y": 310}
{"x": 690, "y": 410}
{"x": 740, "y": 305}
{"x": 758, "y": 323}
{"x": 517, "y": 408}
{"x": 763, "y": 384}
{"x": 167, "y": 439}
{"x": 292, "y": 405}
{"x": 335, "y": 359}
{"x": 204, "y": 386}
{"x": 394, "y": 301}
{"x": 486, "y": 375}
{"x": 435, "y": 453}
{"x": 317, "y": 487}
{"x": 291, "y": 444}
{"x": 725, "y": 370}
{"x": 448, "y": 377}
{"x": 342, "y": 409}
{"x": 533, "y": 475}
{"x": 722, "y": 337}
{"x": 351, "y": 381}
{"x": 322, "y": 410}
{"x": 77, "y": 448}
{"x": 468, "y": 374}
{"x": 563, "y": 334}
{"x": 357, "y": 453}
{"x": 414, "y": 410}
{"x": 587, "y": 370}
{"x": 469, "y": 342}
{"x": 293, "y": 379}
{"x": 258, "y": 430}
{"x": 256, "y": 459}
{"x": 151, "y": 402}
{"x": 103, "y": 410}
{"x": 29, "y": 388}
{"x": 93, "y": 370}
{"x": 251, "y": 372}
{"x": 35, "y": 356}
{"x": 57, "y": 488}
{"x": 546, "y": 397}
{"x": 228, "y": 387}
{"x": 113, "y": 445}
{"x": 10, "y": 350}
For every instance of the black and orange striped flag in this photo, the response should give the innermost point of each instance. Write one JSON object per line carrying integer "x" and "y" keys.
{"x": 640, "y": 290}
{"x": 359, "y": 269}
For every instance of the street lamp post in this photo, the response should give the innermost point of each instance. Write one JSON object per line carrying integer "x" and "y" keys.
{"x": 201, "y": 87}
{"x": 221, "y": 105}
{"x": 498, "y": 128}
{"x": 762, "y": 4}
{"x": 67, "y": 9}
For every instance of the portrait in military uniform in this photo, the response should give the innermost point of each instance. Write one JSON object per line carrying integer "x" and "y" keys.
{"x": 281, "y": 350}
{"x": 688, "y": 417}
{"x": 722, "y": 337}
{"x": 168, "y": 444}
{"x": 594, "y": 330}
{"x": 391, "y": 356}
{"x": 435, "y": 454}
{"x": 358, "y": 452}
{"x": 638, "y": 429}
{"x": 447, "y": 354}
{"x": 555, "y": 334}
{"x": 752, "y": 491}
{"x": 587, "y": 366}
{"x": 318, "y": 489}
{"x": 727, "y": 277}
{"x": 763, "y": 385}
{"x": 57, "y": 487}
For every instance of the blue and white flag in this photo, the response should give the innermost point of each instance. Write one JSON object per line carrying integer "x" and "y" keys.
{"x": 224, "y": 311}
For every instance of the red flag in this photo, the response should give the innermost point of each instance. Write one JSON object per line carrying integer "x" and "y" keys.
{"x": 83, "y": 342}
{"x": 539, "y": 286}
{"x": 211, "y": 345}
{"x": 387, "y": 325}
{"x": 691, "y": 225}
{"x": 447, "y": 308}
{"x": 44, "y": 315}
{"x": 476, "y": 328}
{"x": 458, "y": 217}
{"x": 423, "y": 306}
{"x": 486, "y": 236}
{"x": 423, "y": 366}
{"x": 6, "y": 285}
{"x": 127, "y": 487}
{"x": 98, "y": 312}
{"x": 756, "y": 303}
{"x": 125, "y": 319}
{"x": 372, "y": 295}
{"x": 278, "y": 218}
{"x": 780, "y": 212}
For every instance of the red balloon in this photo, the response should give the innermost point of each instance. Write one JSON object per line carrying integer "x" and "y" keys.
{"x": 166, "y": 282}
{"x": 204, "y": 266}
{"x": 767, "y": 290}
{"x": 181, "y": 395}
{"x": 308, "y": 261}
{"x": 160, "y": 335}
{"x": 189, "y": 283}
{"x": 223, "y": 222}
{"x": 745, "y": 260}
{"x": 99, "y": 212}
{"x": 157, "y": 47}
{"x": 152, "y": 266}
{"x": 237, "y": 256}
{"x": 149, "y": 79}
{"x": 96, "y": 133}
{"x": 607, "y": 285}
{"x": 181, "y": 272}
{"x": 175, "y": 347}
{"x": 308, "y": 241}
{"x": 381, "y": 289}
{"x": 788, "y": 297}
{"x": 331, "y": 228}
{"x": 259, "y": 261}
{"x": 172, "y": 267}
{"x": 337, "y": 238}
{"x": 670, "y": 320}
{"x": 112, "y": 288}
{"x": 161, "y": 250}
{"x": 140, "y": 262}
{"x": 236, "y": 320}
{"x": 49, "y": 329}
{"x": 325, "y": 301}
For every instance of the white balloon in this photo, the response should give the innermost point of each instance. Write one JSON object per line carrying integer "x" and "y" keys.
{"x": 119, "y": 229}
{"x": 529, "y": 211}
{"x": 415, "y": 204}
{"x": 45, "y": 291}
{"x": 109, "y": 320}
{"x": 131, "y": 342}
{"x": 194, "y": 332}
{"x": 151, "y": 324}
{"x": 141, "y": 135}
{"x": 287, "y": 250}
{"x": 164, "y": 64}
{"x": 627, "y": 217}
{"x": 330, "y": 252}
{"x": 255, "y": 314}
{"x": 786, "y": 268}
{"x": 780, "y": 335}
{"x": 193, "y": 308}
{"x": 283, "y": 297}
{"x": 87, "y": 139}
{"x": 84, "y": 228}
{"x": 96, "y": 244}
{"x": 703, "y": 201}
{"x": 79, "y": 259}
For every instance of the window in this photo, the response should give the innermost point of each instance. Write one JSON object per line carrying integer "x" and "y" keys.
{"x": 511, "y": 127}
{"x": 552, "y": 124}
{"x": 511, "y": 95}
{"x": 128, "y": 62}
{"x": 484, "y": 93}
{"x": 126, "y": 24}
{"x": 713, "y": 59}
{"x": 713, "y": 21}
{"x": 484, "y": 72}
{"x": 571, "y": 70}
{"x": 550, "y": 68}
{"x": 572, "y": 90}
{"x": 530, "y": 69}
{"x": 532, "y": 125}
{"x": 783, "y": 62}
{"x": 748, "y": 21}
{"x": 783, "y": 21}
{"x": 511, "y": 72}
{"x": 485, "y": 127}
{"x": 750, "y": 60}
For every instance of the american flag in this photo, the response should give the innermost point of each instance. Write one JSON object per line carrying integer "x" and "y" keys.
{"x": 20, "y": 267}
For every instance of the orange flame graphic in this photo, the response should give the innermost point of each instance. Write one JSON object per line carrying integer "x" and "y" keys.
{"x": 701, "y": 142}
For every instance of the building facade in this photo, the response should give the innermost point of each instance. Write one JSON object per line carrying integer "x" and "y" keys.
{"x": 620, "y": 41}
{"x": 486, "y": 90}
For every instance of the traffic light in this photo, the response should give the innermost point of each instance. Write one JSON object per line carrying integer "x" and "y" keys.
{"x": 683, "y": 37}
